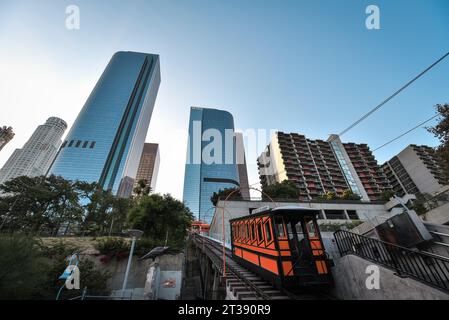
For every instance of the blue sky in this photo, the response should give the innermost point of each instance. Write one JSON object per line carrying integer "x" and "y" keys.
{"x": 301, "y": 66}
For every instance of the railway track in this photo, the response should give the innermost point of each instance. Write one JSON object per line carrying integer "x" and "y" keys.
{"x": 243, "y": 284}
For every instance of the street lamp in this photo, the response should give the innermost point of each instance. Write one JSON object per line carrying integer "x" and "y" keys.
{"x": 134, "y": 233}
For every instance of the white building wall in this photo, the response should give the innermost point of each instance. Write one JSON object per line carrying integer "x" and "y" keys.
{"x": 236, "y": 209}
{"x": 418, "y": 172}
{"x": 157, "y": 161}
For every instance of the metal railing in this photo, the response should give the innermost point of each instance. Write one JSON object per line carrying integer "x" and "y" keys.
{"x": 425, "y": 267}
{"x": 248, "y": 284}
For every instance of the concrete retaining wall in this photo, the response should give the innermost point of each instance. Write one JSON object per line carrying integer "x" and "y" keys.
{"x": 438, "y": 215}
{"x": 350, "y": 277}
{"x": 136, "y": 277}
{"x": 139, "y": 269}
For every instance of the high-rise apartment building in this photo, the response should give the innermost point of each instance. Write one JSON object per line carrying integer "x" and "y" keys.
{"x": 106, "y": 141}
{"x": 241, "y": 166}
{"x": 318, "y": 166}
{"x": 38, "y": 153}
{"x": 415, "y": 170}
{"x": 211, "y": 162}
{"x": 149, "y": 165}
{"x": 6, "y": 135}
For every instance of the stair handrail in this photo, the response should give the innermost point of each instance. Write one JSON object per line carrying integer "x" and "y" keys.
{"x": 405, "y": 261}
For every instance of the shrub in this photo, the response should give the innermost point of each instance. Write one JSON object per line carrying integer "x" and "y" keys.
{"x": 30, "y": 270}
{"x": 112, "y": 247}
{"x": 23, "y": 270}
{"x": 333, "y": 227}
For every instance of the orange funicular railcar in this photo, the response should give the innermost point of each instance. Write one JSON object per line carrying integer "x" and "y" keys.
{"x": 200, "y": 227}
{"x": 283, "y": 245}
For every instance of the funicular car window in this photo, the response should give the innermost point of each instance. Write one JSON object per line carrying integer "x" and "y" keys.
{"x": 268, "y": 234}
{"x": 302, "y": 241}
{"x": 311, "y": 229}
{"x": 299, "y": 231}
{"x": 290, "y": 232}
{"x": 280, "y": 231}
{"x": 248, "y": 237}
{"x": 253, "y": 232}
{"x": 259, "y": 232}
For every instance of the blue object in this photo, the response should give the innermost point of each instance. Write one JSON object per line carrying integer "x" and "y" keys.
{"x": 105, "y": 143}
{"x": 203, "y": 179}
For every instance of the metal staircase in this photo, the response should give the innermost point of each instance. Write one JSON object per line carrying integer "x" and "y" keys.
{"x": 426, "y": 267}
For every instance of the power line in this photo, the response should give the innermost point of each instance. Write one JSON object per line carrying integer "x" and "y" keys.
{"x": 393, "y": 95}
{"x": 400, "y": 136}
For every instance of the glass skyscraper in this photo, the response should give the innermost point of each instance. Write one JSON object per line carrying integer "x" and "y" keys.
{"x": 211, "y": 161}
{"x": 105, "y": 143}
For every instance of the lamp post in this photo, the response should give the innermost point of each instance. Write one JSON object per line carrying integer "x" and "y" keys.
{"x": 135, "y": 234}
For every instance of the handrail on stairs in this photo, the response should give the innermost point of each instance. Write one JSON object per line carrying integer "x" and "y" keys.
{"x": 425, "y": 267}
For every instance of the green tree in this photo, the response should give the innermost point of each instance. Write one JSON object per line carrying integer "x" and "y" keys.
{"x": 142, "y": 188}
{"x": 156, "y": 215}
{"x": 23, "y": 270}
{"x": 39, "y": 204}
{"x": 387, "y": 195}
{"x": 329, "y": 196}
{"x": 349, "y": 195}
{"x": 283, "y": 190}
{"x": 441, "y": 131}
{"x": 223, "y": 194}
{"x": 27, "y": 200}
{"x": 424, "y": 202}
{"x": 98, "y": 206}
{"x": 64, "y": 209}
{"x": 52, "y": 204}
{"x": 419, "y": 205}
{"x": 119, "y": 213}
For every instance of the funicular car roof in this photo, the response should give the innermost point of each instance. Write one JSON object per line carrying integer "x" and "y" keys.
{"x": 291, "y": 210}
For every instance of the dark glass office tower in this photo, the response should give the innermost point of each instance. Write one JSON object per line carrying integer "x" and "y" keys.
{"x": 211, "y": 161}
{"x": 106, "y": 141}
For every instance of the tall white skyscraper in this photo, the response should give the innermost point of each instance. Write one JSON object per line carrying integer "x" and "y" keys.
{"x": 37, "y": 155}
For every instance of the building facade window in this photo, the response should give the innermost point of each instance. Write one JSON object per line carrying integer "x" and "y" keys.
{"x": 345, "y": 168}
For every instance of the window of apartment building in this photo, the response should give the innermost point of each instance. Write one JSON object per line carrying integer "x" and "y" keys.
{"x": 335, "y": 214}
{"x": 352, "y": 214}
{"x": 320, "y": 215}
